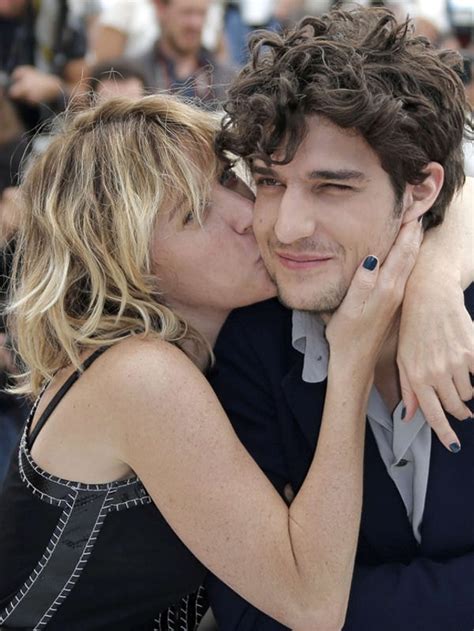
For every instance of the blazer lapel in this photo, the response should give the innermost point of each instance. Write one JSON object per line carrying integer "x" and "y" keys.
{"x": 385, "y": 526}
{"x": 305, "y": 400}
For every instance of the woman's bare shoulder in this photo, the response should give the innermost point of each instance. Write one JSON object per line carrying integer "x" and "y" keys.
{"x": 138, "y": 358}
{"x": 140, "y": 373}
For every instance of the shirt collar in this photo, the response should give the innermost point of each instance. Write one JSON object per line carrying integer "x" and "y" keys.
{"x": 308, "y": 337}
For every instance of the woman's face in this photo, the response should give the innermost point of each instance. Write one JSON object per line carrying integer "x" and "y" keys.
{"x": 216, "y": 266}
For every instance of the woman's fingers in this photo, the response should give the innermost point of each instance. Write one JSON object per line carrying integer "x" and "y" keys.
{"x": 451, "y": 401}
{"x": 437, "y": 364}
{"x": 401, "y": 259}
{"x": 389, "y": 281}
{"x": 361, "y": 287}
{"x": 436, "y": 418}
{"x": 434, "y": 400}
{"x": 410, "y": 400}
{"x": 462, "y": 383}
{"x": 355, "y": 315}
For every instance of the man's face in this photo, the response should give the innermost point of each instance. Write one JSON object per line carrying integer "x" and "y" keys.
{"x": 182, "y": 23}
{"x": 319, "y": 216}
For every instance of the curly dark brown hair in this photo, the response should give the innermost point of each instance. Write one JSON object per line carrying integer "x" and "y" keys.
{"x": 362, "y": 70}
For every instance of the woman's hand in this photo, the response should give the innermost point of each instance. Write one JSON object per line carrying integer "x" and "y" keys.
{"x": 436, "y": 343}
{"x": 359, "y": 327}
{"x": 436, "y": 355}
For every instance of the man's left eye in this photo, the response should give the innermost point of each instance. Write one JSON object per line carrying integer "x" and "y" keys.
{"x": 337, "y": 187}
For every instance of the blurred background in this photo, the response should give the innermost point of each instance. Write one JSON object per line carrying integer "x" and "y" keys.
{"x": 58, "y": 54}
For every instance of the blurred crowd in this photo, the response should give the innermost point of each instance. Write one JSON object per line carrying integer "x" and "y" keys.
{"x": 58, "y": 54}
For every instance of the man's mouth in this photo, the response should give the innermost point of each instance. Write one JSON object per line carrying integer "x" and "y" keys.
{"x": 302, "y": 261}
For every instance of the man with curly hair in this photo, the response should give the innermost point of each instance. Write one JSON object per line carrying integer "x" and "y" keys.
{"x": 330, "y": 116}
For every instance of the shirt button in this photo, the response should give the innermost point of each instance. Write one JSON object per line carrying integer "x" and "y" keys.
{"x": 402, "y": 463}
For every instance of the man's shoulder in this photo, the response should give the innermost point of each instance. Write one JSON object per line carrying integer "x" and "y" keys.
{"x": 261, "y": 330}
{"x": 261, "y": 318}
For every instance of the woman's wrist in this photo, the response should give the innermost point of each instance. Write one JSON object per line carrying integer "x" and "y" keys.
{"x": 352, "y": 379}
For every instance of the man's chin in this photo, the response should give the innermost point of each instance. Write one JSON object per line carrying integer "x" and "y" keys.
{"x": 324, "y": 303}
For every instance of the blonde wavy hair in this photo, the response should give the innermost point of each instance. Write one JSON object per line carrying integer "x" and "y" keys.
{"x": 83, "y": 271}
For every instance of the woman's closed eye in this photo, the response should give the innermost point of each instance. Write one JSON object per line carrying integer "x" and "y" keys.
{"x": 267, "y": 181}
{"x": 189, "y": 218}
{"x": 228, "y": 178}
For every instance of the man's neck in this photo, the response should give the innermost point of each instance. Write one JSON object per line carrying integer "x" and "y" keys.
{"x": 185, "y": 64}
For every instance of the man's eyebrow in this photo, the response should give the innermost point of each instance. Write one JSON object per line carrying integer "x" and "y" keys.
{"x": 339, "y": 174}
{"x": 320, "y": 174}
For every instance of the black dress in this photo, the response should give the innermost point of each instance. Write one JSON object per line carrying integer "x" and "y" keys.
{"x": 82, "y": 557}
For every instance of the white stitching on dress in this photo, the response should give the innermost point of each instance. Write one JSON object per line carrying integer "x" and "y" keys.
{"x": 43, "y": 496}
{"x": 146, "y": 499}
{"x": 80, "y": 564}
{"x": 184, "y": 609}
{"x": 181, "y": 609}
{"x": 158, "y": 622}
{"x": 30, "y": 581}
{"x": 199, "y": 605}
{"x": 78, "y": 486}
{"x": 169, "y": 622}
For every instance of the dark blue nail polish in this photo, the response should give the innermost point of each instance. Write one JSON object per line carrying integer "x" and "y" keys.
{"x": 455, "y": 447}
{"x": 370, "y": 263}
{"x": 404, "y": 413}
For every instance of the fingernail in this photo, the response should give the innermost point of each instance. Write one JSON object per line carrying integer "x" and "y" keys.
{"x": 370, "y": 263}
{"x": 404, "y": 413}
{"x": 455, "y": 447}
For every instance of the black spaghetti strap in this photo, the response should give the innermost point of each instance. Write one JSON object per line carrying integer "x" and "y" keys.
{"x": 60, "y": 394}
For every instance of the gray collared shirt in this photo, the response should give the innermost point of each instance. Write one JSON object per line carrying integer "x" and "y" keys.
{"x": 405, "y": 448}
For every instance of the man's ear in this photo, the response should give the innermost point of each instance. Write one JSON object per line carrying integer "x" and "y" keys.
{"x": 420, "y": 197}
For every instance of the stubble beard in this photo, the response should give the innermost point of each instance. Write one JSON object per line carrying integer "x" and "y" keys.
{"x": 323, "y": 297}
{"x": 319, "y": 303}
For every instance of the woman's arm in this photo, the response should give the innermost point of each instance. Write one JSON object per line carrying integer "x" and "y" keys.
{"x": 293, "y": 563}
{"x": 436, "y": 347}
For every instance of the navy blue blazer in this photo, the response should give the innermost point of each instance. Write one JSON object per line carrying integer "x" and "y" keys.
{"x": 397, "y": 584}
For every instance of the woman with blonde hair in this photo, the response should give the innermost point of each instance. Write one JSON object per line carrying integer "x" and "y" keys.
{"x": 136, "y": 244}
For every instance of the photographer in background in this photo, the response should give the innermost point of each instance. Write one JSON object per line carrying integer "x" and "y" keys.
{"x": 42, "y": 45}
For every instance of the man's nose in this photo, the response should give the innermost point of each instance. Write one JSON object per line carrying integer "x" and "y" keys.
{"x": 297, "y": 218}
